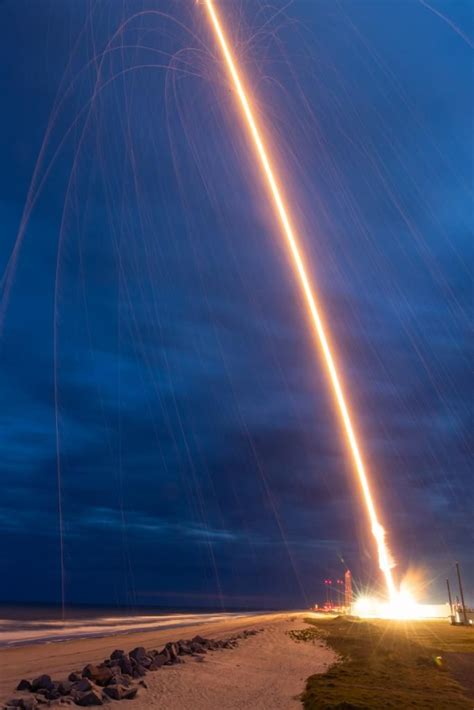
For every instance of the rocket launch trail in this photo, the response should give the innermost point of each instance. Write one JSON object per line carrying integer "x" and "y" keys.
{"x": 289, "y": 234}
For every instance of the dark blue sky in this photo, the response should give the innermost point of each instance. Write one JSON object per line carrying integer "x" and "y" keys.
{"x": 200, "y": 458}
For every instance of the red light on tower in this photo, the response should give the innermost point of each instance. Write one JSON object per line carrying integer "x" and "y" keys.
{"x": 348, "y": 590}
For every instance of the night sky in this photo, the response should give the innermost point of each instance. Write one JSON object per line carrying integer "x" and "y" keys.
{"x": 153, "y": 333}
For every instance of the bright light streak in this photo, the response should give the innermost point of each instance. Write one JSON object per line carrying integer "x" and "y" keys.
{"x": 314, "y": 310}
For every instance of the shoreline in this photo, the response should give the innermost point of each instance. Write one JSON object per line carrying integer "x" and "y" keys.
{"x": 60, "y": 659}
{"x": 49, "y": 632}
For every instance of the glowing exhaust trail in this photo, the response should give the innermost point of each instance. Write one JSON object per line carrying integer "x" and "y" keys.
{"x": 299, "y": 265}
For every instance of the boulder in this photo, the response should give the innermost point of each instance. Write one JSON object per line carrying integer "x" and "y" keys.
{"x": 24, "y": 685}
{"x": 88, "y": 699}
{"x": 197, "y": 647}
{"x": 43, "y": 682}
{"x": 138, "y": 671}
{"x": 159, "y": 660}
{"x": 52, "y": 694}
{"x": 117, "y": 654}
{"x": 74, "y": 676}
{"x": 99, "y": 674}
{"x": 138, "y": 653}
{"x": 126, "y": 665}
{"x": 115, "y": 666}
{"x": 129, "y": 693}
{"x": 29, "y": 703}
{"x": 184, "y": 648}
{"x": 120, "y": 680}
{"x": 65, "y": 687}
{"x": 120, "y": 692}
{"x": 172, "y": 649}
{"x": 83, "y": 685}
{"x": 113, "y": 692}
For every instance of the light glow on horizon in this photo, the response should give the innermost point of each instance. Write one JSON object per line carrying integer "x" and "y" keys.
{"x": 314, "y": 309}
{"x": 403, "y": 607}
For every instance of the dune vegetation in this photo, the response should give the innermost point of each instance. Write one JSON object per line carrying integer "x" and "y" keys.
{"x": 389, "y": 664}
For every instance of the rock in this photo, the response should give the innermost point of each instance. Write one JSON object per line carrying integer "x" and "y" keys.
{"x": 89, "y": 670}
{"x": 126, "y": 665}
{"x": 172, "y": 649}
{"x": 88, "y": 699}
{"x": 120, "y": 680}
{"x": 24, "y": 703}
{"x": 159, "y": 660}
{"x": 74, "y": 676}
{"x": 199, "y": 639}
{"x": 53, "y": 694}
{"x": 138, "y": 671}
{"x": 120, "y": 692}
{"x": 24, "y": 685}
{"x": 142, "y": 683}
{"x": 83, "y": 685}
{"x": 65, "y": 687}
{"x": 117, "y": 654}
{"x": 28, "y": 703}
{"x": 114, "y": 670}
{"x": 197, "y": 647}
{"x": 138, "y": 653}
{"x": 113, "y": 692}
{"x": 99, "y": 674}
{"x": 43, "y": 682}
{"x": 184, "y": 648}
{"x": 130, "y": 693}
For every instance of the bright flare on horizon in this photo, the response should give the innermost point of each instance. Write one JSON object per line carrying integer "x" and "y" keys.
{"x": 403, "y": 607}
{"x": 314, "y": 309}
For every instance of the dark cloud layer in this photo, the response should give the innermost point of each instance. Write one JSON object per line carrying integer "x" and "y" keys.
{"x": 200, "y": 458}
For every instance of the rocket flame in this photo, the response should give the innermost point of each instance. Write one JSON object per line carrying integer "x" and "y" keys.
{"x": 295, "y": 251}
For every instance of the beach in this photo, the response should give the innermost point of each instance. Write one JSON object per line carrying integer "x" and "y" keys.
{"x": 267, "y": 670}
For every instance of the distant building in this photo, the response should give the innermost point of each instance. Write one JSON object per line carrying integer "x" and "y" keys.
{"x": 348, "y": 590}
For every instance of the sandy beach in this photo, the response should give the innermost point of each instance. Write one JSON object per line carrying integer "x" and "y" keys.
{"x": 267, "y": 670}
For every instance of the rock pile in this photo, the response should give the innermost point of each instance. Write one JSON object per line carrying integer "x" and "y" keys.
{"x": 117, "y": 678}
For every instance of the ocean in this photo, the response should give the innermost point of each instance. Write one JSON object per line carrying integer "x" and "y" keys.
{"x": 29, "y": 624}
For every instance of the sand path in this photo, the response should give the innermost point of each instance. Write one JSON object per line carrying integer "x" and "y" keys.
{"x": 266, "y": 672}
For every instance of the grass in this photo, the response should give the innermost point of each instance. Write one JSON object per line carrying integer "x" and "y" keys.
{"x": 387, "y": 664}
